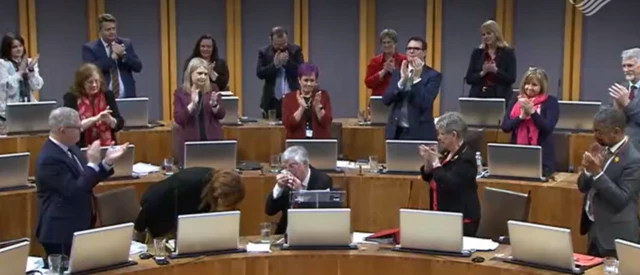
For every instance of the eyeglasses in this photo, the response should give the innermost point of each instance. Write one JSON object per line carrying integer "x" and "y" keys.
{"x": 414, "y": 49}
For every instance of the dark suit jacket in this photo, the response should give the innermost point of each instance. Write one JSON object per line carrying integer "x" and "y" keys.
{"x": 546, "y": 122}
{"x": 176, "y": 195}
{"x": 95, "y": 52}
{"x": 64, "y": 193}
{"x": 420, "y": 104}
{"x": 633, "y": 119}
{"x": 615, "y": 204}
{"x": 457, "y": 190}
{"x": 504, "y": 78}
{"x": 317, "y": 181}
{"x": 71, "y": 101}
{"x": 268, "y": 72}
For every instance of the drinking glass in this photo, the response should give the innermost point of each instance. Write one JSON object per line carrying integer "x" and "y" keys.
{"x": 265, "y": 232}
{"x": 373, "y": 164}
{"x": 167, "y": 165}
{"x": 159, "y": 247}
{"x": 610, "y": 266}
{"x": 57, "y": 263}
{"x": 362, "y": 117}
{"x": 271, "y": 116}
{"x": 274, "y": 163}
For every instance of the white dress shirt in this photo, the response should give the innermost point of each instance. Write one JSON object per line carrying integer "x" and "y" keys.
{"x": 277, "y": 191}
{"x": 108, "y": 50}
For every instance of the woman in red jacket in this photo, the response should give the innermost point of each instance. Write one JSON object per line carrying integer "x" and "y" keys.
{"x": 307, "y": 113}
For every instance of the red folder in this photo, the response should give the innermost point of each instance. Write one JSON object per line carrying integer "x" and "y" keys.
{"x": 392, "y": 234}
{"x": 587, "y": 261}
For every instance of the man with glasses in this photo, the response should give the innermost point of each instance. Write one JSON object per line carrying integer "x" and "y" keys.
{"x": 411, "y": 93}
{"x": 65, "y": 179}
{"x": 278, "y": 66}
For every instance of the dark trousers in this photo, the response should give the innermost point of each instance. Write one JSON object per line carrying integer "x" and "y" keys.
{"x": 402, "y": 133}
{"x": 469, "y": 229}
{"x": 274, "y": 104}
{"x": 594, "y": 250}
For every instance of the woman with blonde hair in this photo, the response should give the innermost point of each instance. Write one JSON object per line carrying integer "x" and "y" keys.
{"x": 197, "y": 107}
{"x": 97, "y": 107}
{"x": 532, "y": 116}
{"x": 190, "y": 191}
{"x": 492, "y": 66}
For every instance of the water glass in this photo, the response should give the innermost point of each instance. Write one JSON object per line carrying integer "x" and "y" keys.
{"x": 265, "y": 232}
{"x": 274, "y": 163}
{"x": 57, "y": 264}
{"x": 167, "y": 165}
{"x": 373, "y": 164}
{"x": 159, "y": 245}
{"x": 610, "y": 266}
{"x": 271, "y": 116}
{"x": 362, "y": 117}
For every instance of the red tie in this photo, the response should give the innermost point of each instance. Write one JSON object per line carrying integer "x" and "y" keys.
{"x": 632, "y": 92}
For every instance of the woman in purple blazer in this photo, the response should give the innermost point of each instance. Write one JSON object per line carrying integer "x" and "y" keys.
{"x": 196, "y": 106}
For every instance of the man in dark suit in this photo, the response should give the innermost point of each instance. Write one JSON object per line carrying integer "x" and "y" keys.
{"x": 626, "y": 96}
{"x": 610, "y": 183}
{"x": 115, "y": 56}
{"x": 298, "y": 175}
{"x": 278, "y": 66}
{"x": 65, "y": 181}
{"x": 410, "y": 94}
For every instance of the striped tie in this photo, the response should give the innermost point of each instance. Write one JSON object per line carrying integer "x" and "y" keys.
{"x": 115, "y": 79}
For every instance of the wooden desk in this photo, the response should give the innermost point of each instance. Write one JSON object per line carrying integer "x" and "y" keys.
{"x": 375, "y": 201}
{"x": 365, "y": 262}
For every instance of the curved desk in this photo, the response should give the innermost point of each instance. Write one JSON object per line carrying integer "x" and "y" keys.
{"x": 365, "y": 262}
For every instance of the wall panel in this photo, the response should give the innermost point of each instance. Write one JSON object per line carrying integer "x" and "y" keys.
{"x": 9, "y": 16}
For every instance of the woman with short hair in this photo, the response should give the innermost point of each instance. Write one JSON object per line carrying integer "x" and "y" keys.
{"x": 452, "y": 174}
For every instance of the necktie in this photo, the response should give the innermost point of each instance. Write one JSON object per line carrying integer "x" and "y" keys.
{"x": 115, "y": 79}
{"x": 75, "y": 159}
{"x": 632, "y": 92}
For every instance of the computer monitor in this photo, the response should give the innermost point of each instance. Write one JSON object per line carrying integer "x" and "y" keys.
{"x": 547, "y": 246}
{"x": 123, "y": 166}
{"x": 230, "y": 104}
{"x": 379, "y": 111}
{"x": 403, "y": 156}
{"x": 134, "y": 111}
{"x": 433, "y": 231}
{"x": 101, "y": 249}
{"x": 526, "y": 166}
{"x": 14, "y": 169}
{"x": 628, "y": 256}
{"x": 577, "y": 116}
{"x": 319, "y": 227}
{"x": 219, "y": 154}
{"x": 201, "y": 234}
{"x": 482, "y": 112}
{"x": 28, "y": 117}
{"x": 13, "y": 258}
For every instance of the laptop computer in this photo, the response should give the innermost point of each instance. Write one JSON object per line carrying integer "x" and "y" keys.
{"x": 482, "y": 112}
{"x": 328, "y": 228}
{"x": 628, "y": 255}
{"x": 123, "y": 167}
{"x": 219, "y": 154}
{"x": 230, "y": 104}
{"x": 134, "y": 111}
{"x": 379, "y": 111}
{"x": 207, "y": 234}
{"x": 403, "y": 156}
{"x": 28, "y": 117}
{"x": 14, "y": 169}
{"x": 541, "y": 246}
{"x": 577, "y": 116}
{"x": 323, "y": 153}
{"x": 502, "y": 164}
{"x": 431, "y": 232}
{"x": 226, "y": 93}
{"x": 101, "y": 249}
{"x": 13, "y": 258}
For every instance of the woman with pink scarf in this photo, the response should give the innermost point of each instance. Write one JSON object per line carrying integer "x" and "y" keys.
{"x": 532, "y": 116}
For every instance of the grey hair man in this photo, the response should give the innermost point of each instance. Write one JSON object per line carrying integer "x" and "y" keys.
{"x": 609, "y": 181}
{"x": 298, "y": 174}
{"x": 65, "y": 179}
{"x": 625, "y": 96}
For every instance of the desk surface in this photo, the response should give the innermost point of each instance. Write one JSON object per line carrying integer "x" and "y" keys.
{"x": 365, "y": 262}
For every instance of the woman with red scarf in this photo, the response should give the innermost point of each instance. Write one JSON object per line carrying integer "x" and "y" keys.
{"x": 532, "y": 116}
{"x": 451, "y": 174}
{"x": 97, "y": 107}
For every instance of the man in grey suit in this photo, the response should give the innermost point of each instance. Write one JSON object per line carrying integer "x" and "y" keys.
{"x": 626, "y": 96}
{"x": 610, "y": 180}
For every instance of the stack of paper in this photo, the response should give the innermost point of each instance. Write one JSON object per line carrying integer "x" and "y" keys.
{"x": 259, "y": 248}
{"x": 476, "y": 244}
{"x": 143, "y": 169}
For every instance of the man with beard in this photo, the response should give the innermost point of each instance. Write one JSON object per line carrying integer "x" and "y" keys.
{"x": 625, "y": 95}
{"x": 411, "y": 93}
{"x": 609, "y": 180}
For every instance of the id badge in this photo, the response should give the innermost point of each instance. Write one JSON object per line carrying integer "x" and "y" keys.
{"x": 309, "y": 133}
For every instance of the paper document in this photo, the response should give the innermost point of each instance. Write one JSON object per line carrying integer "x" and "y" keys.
{"x": 142, "y": 169}
{"x": 359, "y": 237}
{"x": 34, "y": 263}
{"x": 476, "y": 244}
{"x": 259, "y": 248}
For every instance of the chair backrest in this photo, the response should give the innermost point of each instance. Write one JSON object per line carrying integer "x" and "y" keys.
{"x": 117, "y": 206}
{"x": 336, "y": 133}
{"x": 498, "y": 207}
{"x": 561, "y": 143}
